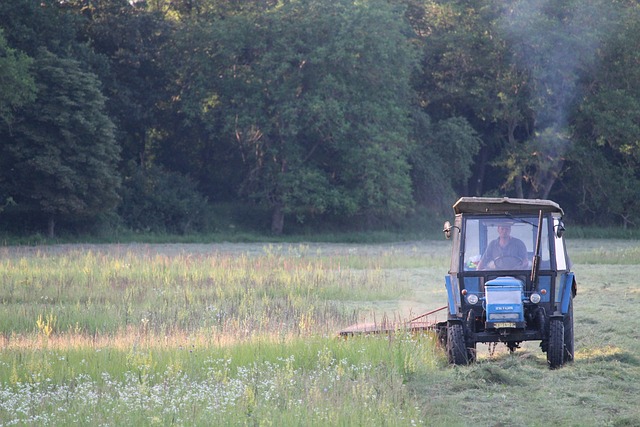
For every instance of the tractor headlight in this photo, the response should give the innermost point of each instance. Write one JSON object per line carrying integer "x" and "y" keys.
{"x": 535, "y": 298}
{"x": 472, "y": 299}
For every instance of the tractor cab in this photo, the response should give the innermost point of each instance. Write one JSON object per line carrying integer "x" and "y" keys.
{"x": 509, "y": 279}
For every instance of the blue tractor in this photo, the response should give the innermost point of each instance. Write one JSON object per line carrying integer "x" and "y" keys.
{"x": 510, "y": 279}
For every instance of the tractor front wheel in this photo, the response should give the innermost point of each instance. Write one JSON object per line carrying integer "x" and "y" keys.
{"x": 456, "y": 347}
{"x": 555, "y": 350}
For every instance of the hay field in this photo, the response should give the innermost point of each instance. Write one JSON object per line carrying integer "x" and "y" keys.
{"x": 244, "y": 334}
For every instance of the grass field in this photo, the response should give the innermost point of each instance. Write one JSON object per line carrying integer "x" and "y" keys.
{"x": 245, "y": 334}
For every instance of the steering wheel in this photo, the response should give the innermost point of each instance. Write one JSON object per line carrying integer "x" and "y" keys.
{"x": 508, "y": 262}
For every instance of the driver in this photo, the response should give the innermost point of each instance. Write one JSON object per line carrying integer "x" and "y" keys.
{"x": 511, "y": 249}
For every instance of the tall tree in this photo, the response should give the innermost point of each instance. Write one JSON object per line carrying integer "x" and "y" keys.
{"x": 17, "y": 86}
{"x": 553, "y": 42}
{"x": 134, "y": 78}
{"x": 29, "y": 25}
{"x": 512, "y": 69}
{"x": 316, "y": 96}
{"x": 467, "y": 72}
{"x": 604, "y": 176}
{"x": 61, "y": 154}
{"x": 192, "y": 139}
{"x": 441, "y": 160}
{"x": 335, "y": 80}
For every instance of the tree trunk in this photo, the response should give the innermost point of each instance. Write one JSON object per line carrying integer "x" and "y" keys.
{"x": 517, "y": 182}
{"x": 277, "y": 219}
{"x": 543, "y": 181}
{"x": 51, "y": 227}
{"x": 481, "y": 167}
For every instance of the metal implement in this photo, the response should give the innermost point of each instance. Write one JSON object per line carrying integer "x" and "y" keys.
{"x": 386, "y": 326}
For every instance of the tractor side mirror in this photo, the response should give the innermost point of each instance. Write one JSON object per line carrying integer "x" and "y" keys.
{"x": 447, "y": 230}
{"x": 560, "y": 229}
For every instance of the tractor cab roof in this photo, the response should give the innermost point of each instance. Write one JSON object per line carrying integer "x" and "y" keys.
{"x": 504, "y": 205}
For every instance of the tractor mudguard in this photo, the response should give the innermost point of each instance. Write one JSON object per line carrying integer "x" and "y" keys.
{"x": 567, "y": 292}
{"x": 452, "y": 296}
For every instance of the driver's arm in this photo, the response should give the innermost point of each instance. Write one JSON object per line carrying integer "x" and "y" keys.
{"x": 522, "y": 254}
{"x": 486, "y": 258}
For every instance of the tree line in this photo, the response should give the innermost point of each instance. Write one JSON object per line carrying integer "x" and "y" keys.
{"x": 145, "y": 114}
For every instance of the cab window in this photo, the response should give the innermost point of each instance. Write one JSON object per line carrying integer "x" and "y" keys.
{"x": 479, "y": 232}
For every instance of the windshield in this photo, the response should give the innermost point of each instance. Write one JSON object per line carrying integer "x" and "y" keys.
{"x": 500, "y": 243}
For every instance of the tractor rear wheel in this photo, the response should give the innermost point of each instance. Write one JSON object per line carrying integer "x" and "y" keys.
{"x": 555, "y": 350}
{"x": 456, "y": 346}
{"x": 568, "y": 333}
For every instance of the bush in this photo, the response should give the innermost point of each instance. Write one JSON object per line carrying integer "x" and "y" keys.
{"x": 156, "y": 200}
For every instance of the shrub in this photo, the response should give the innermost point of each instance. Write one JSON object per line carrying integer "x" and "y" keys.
{"x": 157, "y": 200}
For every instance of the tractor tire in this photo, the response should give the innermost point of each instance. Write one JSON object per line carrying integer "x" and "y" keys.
{"x": 543, "y": 327}
{"x": 568, "y": 334}
{"x": 555, "y": 350}
{"x": 456, "y": 347}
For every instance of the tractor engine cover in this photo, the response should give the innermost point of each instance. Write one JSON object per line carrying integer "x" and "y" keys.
{"x": 504, "y": 303}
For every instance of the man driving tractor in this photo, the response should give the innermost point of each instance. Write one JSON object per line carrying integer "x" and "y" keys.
{"x": 505, "y": 252}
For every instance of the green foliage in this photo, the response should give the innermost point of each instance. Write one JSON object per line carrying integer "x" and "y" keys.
{"x": 317, "y": 105}
{"x": 467, "y": 72}
{"x": 553, "y": 44}
{"x": 131, "y": 41}
{"x": 514, "y": 71}
{"x": 456, "y": 143}
{"x": 156, "y": 200}
{"x": 60, "y": 155}
{"x": 442, "y": 160}
{"x": 346, "y": 111}
{"x": 17, "y": 86}
{"x": 30, "y": 25}
{"x": 605, "y": 164}
{"x": 602, "y": 189}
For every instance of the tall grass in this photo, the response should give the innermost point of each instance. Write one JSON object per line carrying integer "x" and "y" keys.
{"x": 308, "y": 382}
{"x": 165, "y": 335}
{"x": 246, "y": 335}
{"x": 96, "y": 292}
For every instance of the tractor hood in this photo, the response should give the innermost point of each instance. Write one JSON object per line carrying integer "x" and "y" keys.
{"x": 503, "y": 298}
